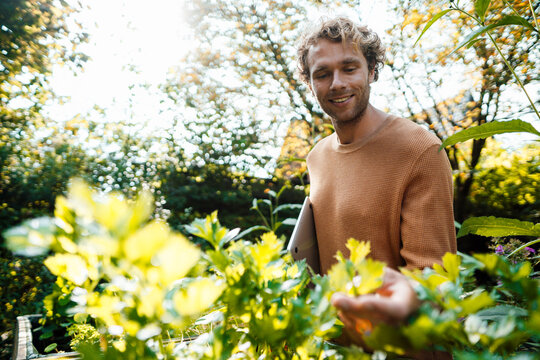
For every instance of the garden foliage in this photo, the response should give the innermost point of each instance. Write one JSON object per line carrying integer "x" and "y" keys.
{"x": 141, "y": 285}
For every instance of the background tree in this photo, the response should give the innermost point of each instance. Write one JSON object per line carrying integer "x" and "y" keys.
{"x": 427, "y": 77}
{"x": 33, "y": 37}
{"x": 239, "y": 87}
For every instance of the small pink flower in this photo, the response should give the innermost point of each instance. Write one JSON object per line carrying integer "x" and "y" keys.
{"x": 499, "y": 250}
{"x": 531, "y": 250}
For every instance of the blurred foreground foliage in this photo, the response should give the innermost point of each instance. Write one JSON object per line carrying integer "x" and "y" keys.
{"x": 142, "y": 285}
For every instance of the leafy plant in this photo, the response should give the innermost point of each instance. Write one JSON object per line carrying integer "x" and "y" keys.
{"x": 115, "y": 265}
{"x": 141, "y": 285}
{"x": 272, "y": 208}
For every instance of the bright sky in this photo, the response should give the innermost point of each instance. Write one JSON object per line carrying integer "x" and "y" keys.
{"x": 151, "y": 36}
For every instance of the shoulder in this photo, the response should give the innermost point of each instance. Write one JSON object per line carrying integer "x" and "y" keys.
{"x": 321, "y": 147}
{"x": 408, "y": 134}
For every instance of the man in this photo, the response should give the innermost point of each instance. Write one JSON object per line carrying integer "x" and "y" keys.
{"x": 378, "y": 178}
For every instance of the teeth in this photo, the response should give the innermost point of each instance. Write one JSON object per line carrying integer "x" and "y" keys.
{"x": 340, "y": 100}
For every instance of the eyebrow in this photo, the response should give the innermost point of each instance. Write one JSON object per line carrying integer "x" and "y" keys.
{"x": 346, "y": 61}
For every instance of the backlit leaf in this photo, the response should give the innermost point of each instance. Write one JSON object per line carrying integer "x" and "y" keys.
{"x": 476, "y": 302}
{"x": 198, "y": 296}
{"x": 431, "y": 22}
{"x": 176, "y": 258}
{"x": 493, "y": 226}
{"x": 144, "y": 243}
{"x": 489, "y": 129}
{"x": 480, "y": 8}
{"x": 507, "y": 20}
{"x": 359, "y": 250}
{"x": 451, "y": 263}
{"x": 69, "y": 266}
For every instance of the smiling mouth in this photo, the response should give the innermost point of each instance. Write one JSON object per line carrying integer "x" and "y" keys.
{"x": 341, "y": 99}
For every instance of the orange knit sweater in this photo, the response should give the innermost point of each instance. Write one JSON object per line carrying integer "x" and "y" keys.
{"x": 392, "y": 188}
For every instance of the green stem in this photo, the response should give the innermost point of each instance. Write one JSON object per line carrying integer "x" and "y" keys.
{"x": 511, "y": 7}
{"x": 534, "y": 16}
{"x": 514, "y": 73}
{"x": 524, "y": 246}
{"x": 505, "y": 61}
{"x": 262, "y": 217}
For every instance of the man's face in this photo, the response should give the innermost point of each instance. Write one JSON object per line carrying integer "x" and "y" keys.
{"x": 339, "y": 79}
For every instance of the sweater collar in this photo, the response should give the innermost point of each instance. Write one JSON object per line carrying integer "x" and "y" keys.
{"x": 346, "y": 148}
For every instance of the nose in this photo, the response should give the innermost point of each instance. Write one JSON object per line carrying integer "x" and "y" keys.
{"x": 337, "y": 81}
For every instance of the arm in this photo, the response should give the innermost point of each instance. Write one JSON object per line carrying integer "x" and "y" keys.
{"x": 427, "y": 217}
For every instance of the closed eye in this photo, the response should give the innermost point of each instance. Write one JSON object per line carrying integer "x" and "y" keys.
{"x": 320, "y": 75}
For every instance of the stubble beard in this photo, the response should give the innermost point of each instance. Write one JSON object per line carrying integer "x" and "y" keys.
{"x": 358, "y": 113}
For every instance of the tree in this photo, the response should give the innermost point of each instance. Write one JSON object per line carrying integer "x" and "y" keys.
{"x": 239, "y": 87}
{"x": 421, "y": 74}
{"x": 34, "y": 36}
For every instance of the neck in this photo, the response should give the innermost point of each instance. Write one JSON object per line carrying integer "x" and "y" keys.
{"x": 353, "y": 131}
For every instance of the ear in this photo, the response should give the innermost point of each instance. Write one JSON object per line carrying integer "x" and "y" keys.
{"x": 372, "y": 75}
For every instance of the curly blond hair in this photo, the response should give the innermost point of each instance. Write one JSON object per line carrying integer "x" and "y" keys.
{"x": 341, "y": 29}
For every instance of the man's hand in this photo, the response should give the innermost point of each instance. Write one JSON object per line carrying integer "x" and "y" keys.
{"x": 392, "y": 303}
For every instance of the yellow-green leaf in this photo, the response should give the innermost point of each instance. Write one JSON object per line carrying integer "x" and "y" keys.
{"x": 474, "y": 303}
{"x": 69, "y": 266}
{"x": 359, "y": 250}
{"x": 198, "y": 296}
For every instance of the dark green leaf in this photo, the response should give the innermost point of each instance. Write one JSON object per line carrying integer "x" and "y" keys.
{"x": 514, "y": 20}
{"x": 489, "y": 129}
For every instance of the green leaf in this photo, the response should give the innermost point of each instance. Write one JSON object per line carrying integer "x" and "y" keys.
{"x": 431, "y": 22}
{"x": 480, "y": 7}
{"x": 514, "y": 20}
{"x": 492, "y": 226}
{"x": 31, "y": 238}
{"x": 489, "y": 129}
{"x": 289, "y": 221}
{"x": 474, "y": 303}
{"x": 254, "y": 204}
{"x": 499, "y": 312}
{"x": 286, "y": 206}
{"x": 507, "y": 20}
{"x": 250, "y": 230}
{"x": 50, "y": 348}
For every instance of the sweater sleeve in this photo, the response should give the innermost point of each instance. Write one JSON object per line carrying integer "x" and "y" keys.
{"x": 427, "y": 216}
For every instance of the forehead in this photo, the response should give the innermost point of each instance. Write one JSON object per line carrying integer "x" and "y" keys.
{"x": 326, "y": 53}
